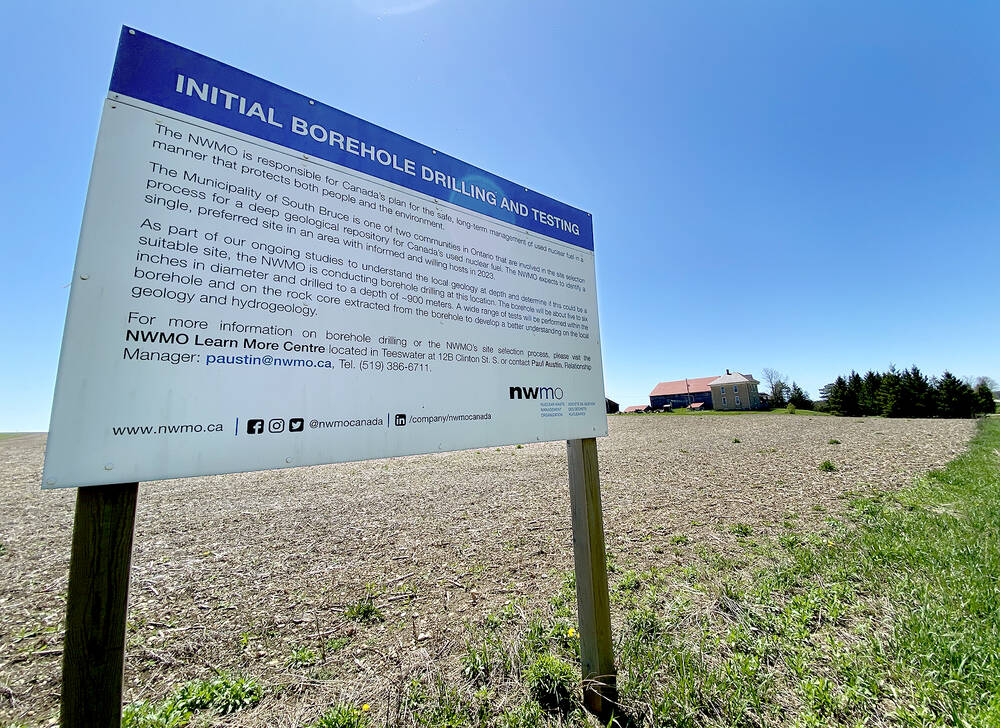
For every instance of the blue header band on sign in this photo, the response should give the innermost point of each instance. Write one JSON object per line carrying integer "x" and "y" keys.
{"x": 153, "y": 70}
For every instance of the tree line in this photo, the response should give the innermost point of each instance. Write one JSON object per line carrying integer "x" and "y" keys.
{"x": 907, "y": 393}
{"x": 782, "y": 393}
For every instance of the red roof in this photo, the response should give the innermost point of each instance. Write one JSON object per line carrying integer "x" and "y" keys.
{"x": 683, "y": 386}
{"x": 696, "y": 405}
{"x": 636, "y": 408}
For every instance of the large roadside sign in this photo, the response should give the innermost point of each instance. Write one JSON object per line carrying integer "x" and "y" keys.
{"x": 264, "y": 281}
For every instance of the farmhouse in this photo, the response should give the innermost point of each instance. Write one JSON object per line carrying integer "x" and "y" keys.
{"x": 636, "y": 408}
{"x": 735, "y": 391}
{"x": 731, "y": 391}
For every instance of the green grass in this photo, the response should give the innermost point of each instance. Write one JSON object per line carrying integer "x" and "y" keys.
{"x": 5, "y": 435}
{"x": 726, "y": 413}
{"x": 892, "y": 618}
{"x": 888, "y": 617}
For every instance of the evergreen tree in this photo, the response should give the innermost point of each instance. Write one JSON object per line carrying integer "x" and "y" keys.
{"x": 870, "y": 387}
{"x": 955, "y": 398}
{"x": 798, "y": 398}
{"x": 916, "y": 394}
{"x": 836, "y": 393}
{"x": 852, "y": 401}
{"x": 890, "y": 402}
{"x": 984, "y": 399}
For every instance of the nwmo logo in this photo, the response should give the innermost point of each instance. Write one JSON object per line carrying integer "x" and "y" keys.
{"x": 536, "y": 393}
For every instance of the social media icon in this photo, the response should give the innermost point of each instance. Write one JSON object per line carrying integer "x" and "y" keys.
{"x": 400, "y": 420}
{"x": 255, "y": 427}
{"x": 296, "y": 424}
{"x": 276, "y": 425}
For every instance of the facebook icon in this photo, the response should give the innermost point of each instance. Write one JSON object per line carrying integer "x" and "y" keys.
{"x": 255, "y": 427}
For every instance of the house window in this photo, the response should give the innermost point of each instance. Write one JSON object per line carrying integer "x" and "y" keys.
{"x": 723, "y": 401}
{"x": 737, "y": 400}
{"x": 736, "y": 389}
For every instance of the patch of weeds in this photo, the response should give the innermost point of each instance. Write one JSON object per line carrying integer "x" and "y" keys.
{"x": 717, "y": 560}
{"x": 679, "y": 540}
{"x": 438, "y": 705}
{"x": 145, "y": 714}
{"x": 533, "y": 641}
{"x": 827, "y": 467}
{"x": 512, "y": 610}
{"x": 519, "y": 447}
{"x": 819, "y": 508}
{"x": 790, "y": 541}
{"x": 630, "y": 582}
{"x": 484, "y": 656}
{"x": 736, "y": 439}
{"x": 833, "y": 442}
{"x": 644, "y": 624}
{"x": 564, "y": 601}
{"x": 365, "y": 611}
{"x": 302, "y": 657}
{"x": 526, "y": 715}
{"x": 820, "y": 695}
{"x": 741, "y": 529}
{"x": 335, "y": 644}
{"x": 223, "y": 695}
{"x": 343, "y": 716}
{"x": 566, "y": 636}
{"x": 552, "y": 682}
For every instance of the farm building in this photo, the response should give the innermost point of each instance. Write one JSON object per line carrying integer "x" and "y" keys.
{"x": 735, "y": 391}
{"x": 610, "y": 405}
{"x": 731, "y": 391}
{"x": 682, "y": 393}
{"x": 636, "y": 408}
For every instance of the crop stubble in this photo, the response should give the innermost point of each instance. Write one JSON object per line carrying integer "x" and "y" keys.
{"x": 233, "y": 572}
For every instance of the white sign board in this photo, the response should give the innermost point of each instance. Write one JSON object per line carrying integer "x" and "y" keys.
{"x": 264, "y": 281}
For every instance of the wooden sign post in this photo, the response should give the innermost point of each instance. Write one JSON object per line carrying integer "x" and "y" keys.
{"x": 600, "y": 693}
{"x": 96, "y": 604}
{"x": 194, "y": 413}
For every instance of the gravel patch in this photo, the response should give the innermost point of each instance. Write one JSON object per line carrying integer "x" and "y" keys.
{"x": 234, "y": 572}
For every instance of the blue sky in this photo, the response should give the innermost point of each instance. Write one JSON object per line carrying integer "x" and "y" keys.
{"x": 807, "y": 186}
